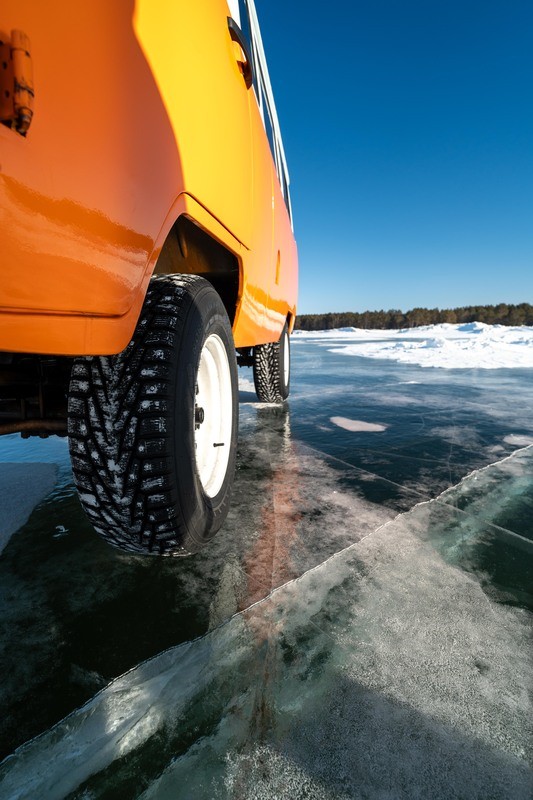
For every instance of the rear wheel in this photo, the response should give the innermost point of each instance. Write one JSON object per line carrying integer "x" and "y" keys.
{"x": 271, "y": 367}
{"x": 153, "y": 430}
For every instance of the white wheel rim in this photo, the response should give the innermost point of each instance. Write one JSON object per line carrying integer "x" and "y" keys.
{"x": 286, "y": 359}
{"x": 213, "y": 415}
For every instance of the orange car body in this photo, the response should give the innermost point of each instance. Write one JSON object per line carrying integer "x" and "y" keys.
{"x": 140, "y": 117}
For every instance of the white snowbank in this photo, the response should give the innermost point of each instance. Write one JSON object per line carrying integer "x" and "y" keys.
{"x": 22, "y": 487}
{"x": 470, "y": 346}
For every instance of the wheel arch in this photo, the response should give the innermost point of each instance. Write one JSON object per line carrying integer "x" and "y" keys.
{"x": 192, "y": 241}
{"x": 190, "y": 249}
{"x": 291, "y": 321}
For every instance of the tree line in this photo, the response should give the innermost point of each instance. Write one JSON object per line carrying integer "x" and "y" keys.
{"x": 502, "y": 314}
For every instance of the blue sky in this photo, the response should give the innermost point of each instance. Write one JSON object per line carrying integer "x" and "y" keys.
{"x": 408, "y": 128}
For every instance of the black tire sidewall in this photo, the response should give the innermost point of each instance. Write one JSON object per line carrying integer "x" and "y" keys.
{"x": 202, "y": 515}
{"x": 284, "y": 387}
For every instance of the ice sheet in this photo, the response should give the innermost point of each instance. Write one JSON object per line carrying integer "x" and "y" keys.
{"x": 469, "y": 346}
{"x": 74, "y": 613}
{"x": 387, "y": 671}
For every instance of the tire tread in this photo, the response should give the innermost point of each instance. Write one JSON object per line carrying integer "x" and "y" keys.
{"x": 268, "y": 379}
{"x": 114, "y": 433}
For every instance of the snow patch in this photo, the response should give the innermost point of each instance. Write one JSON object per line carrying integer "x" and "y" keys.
{"x": 519, "y": 441}
{"x": 88, "y": 499}
{"x": 357, "y": 425}
{"x": 475, "y": 327}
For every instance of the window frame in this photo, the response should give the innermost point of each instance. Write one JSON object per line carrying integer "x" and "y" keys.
{"x": 263, "y": 80}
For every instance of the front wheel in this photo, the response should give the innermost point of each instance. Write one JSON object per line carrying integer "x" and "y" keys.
{"x": 153, "y": 430}
{"x": 272, "y": 369}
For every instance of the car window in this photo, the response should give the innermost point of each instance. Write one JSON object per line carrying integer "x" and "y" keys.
{"x": 267, "y": 120}
{"x": 246, "y": 28}
{"x": 285, "y": 189}
{"x": 250, "y": 27}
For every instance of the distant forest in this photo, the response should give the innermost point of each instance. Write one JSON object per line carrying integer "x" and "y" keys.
{"x": 502, "y": 314}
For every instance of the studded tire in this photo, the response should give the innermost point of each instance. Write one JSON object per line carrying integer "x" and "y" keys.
{"x": 134, "y": 424}
{"x": 271, "y": 368}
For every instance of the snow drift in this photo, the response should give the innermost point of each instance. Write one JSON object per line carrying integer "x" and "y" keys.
{"x": 472, "y": 345}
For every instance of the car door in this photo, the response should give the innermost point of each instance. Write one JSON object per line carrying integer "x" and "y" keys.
{"x": 196, "y": 65}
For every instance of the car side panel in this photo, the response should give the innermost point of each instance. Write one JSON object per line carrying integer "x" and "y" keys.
{"x": 137, "y": 105}
{"x": 284, "y": 286}
{"x": 76, "y": 228}
{"x": 251, "y": 321}
{"x": 75, "y": 334}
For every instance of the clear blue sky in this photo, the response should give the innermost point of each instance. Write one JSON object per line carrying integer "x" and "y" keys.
{"x": 408, "y": 128}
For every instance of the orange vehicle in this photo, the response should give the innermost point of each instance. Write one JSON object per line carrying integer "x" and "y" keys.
{"x": 146, "y": 247}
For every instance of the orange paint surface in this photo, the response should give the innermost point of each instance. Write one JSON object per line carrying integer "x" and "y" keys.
{"x": 140, "y": 114}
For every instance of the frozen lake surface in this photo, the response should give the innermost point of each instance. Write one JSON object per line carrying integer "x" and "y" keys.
{"x": 360, "y": 628}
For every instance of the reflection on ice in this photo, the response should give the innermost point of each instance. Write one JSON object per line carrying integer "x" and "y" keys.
{"x": 386, "y": 671}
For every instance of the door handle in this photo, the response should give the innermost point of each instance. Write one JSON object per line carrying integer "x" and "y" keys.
{"x": 247, "y": 66}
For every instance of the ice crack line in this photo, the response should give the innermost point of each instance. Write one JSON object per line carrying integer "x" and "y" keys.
{"x": 438, "y": 499}
{"x": 479, "y": 470}
{"x": 380, "y": 528}
{"x": 311, "y": 570}
{"x": 353, "y": 468}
